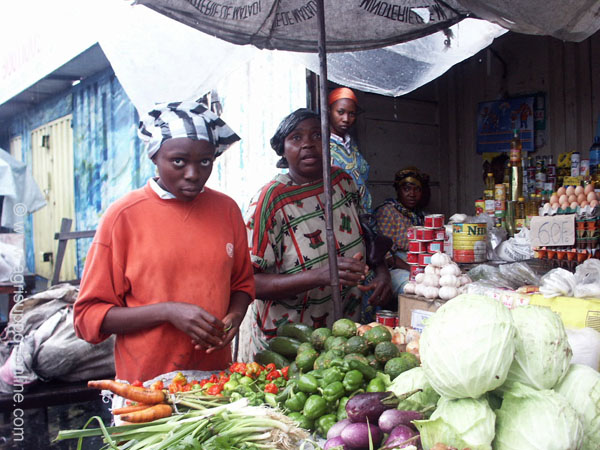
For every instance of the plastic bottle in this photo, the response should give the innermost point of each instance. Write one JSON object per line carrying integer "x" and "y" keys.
{"x": 516, "y": 171}
{"x": 490, "y": 183}
{"x": 520, "y": 214}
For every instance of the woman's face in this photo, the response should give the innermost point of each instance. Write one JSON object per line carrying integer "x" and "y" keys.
{"x": 302, "y": 149}
{"x": 409, "y": 194}
{"x": 184, "y": 166}
{"x": 342, "y": 116}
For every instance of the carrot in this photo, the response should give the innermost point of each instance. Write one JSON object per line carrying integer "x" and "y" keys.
{"x": 138, "y": 394}
{"x": 154, "y": 412}
{"x": 129, "y": 409}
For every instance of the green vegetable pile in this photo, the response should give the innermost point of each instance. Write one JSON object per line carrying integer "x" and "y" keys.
{"x": 330, "y": 366}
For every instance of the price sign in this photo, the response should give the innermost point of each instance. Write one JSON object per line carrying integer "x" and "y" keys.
{"x": 553, "y": 230}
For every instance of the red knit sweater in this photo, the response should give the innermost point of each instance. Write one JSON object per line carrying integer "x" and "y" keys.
{"x": 148, "y": 250}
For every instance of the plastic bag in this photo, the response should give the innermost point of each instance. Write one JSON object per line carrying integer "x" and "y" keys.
{"x": 491, "y": 275}
{"x": 558, "y": 282}
{"x": 517, "y": 248}
{"x": 587, "y": 279}
{"x": 585, "y": 344}
{"x": 520, "y": 274}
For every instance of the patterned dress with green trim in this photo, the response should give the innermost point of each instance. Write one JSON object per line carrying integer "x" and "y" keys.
{"x": 287, "y": 235}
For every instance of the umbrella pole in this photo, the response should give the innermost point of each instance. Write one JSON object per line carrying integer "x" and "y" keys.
{"x": 331, "y": 243}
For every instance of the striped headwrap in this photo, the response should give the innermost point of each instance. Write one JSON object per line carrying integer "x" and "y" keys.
{"x": 188, "y": 119}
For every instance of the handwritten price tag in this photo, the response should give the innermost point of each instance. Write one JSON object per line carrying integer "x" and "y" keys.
{"x": 552, "y": 230}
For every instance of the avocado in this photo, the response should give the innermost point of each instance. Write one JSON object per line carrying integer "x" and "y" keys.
{"x": 318, "y": 337}
{"x": 378, "y": 334}
{"x": 344, "y": 327}
{"x": 356, "y": 344}
{"x": 402, "y": 363}
{"x": 384, "y": 351}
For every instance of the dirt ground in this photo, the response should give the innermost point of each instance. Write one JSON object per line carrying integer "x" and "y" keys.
{"x": 40, "y": 430}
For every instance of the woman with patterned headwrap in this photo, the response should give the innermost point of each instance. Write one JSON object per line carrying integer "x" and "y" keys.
{"x": 168, "y": 271}
{"x": 286, "y": 233}
{"x": 344, "y": 151}
{"x": 396, "y": 216}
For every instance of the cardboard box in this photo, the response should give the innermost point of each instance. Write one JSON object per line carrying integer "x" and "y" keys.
{"x": 413, "y": 310}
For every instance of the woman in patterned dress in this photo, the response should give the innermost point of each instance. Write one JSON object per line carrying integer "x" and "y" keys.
{"x": 343, "y": 108}
{"x": 286, "y": 235}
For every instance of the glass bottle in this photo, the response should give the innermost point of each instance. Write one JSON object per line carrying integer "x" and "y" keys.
{"x": 516, "y": 171}
{"x": 520, "y": 214}
{"x": 490, "y": 182}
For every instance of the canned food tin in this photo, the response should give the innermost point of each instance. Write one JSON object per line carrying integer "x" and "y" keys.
{"x": 415, "y": 269}
{"x": 435, "y": 246}
{"x": 439, "y": 234}
{"x": 411, "y": 233}
{"x": 499, "y": 205}
{"x": 386, "y": 317}
{"x": 425, "y": 234}
{"x": 434, "y": 221}
{"x": 479, "y": 207}
{"x": 417, "y": 246}
{"x": 412, "y": 258}
{"x": 500, "y": 192}
{"x": 425, "y": 259}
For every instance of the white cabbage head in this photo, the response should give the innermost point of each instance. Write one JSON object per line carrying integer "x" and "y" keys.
{"x": 461, "y": 423}
{"x": 411, "y": 380}
{"x": 581, "y": 388}
{"x": 536, "y": 420}
{"x": 542, "y": 350}
{"x": 468, "y": 346}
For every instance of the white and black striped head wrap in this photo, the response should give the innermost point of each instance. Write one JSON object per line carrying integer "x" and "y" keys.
{"x": 188, "y": 119}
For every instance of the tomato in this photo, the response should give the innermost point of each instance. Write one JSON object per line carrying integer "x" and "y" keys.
{"x": 157, "y": 386}
{"x": 270, "y": 367}
{"x": 137, "y": 383}
{"x": 238, "y": 367}
{"x": 271, "y": 388}
{"x": 285, "y": 372}
{"x": 214, "y": 389}
{"x": 203, "y": 382}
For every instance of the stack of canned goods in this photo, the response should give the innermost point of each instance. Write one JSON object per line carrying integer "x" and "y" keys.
{"x": 423, "y": 242}
{"x": 388, "y": 318}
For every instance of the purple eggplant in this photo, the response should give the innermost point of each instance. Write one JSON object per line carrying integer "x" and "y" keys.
{"x": 392, "y": 417}
{"x": 336, "y": 442}
{"x": 356, "y": 435}
{"x": 399, "y": 435}
{"x": 336, "y": 429}
{"x": 370, "y": 406}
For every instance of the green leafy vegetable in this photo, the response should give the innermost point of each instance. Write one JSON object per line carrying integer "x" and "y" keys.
{"x": 413, "y": 379}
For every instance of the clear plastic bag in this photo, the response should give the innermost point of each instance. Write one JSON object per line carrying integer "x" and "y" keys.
{"x": 585, "y": 343}
{"x": 558, "y": 282}
{"x": 510, "y": 276}
{"x": 587, "y": 279}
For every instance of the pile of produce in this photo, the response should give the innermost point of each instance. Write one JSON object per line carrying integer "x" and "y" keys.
{"x": 441, "y": 279}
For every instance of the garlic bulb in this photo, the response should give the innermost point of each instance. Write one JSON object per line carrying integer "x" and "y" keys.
{"x": 440, "y": 259}
{"x": 409, "y": 288}
{"x": 449, "y": 280}
{"x": 419, "y": 278}
{"x": 431, "y": 292}
{"x": 419, "y": 290}
{"x": 431, "y": 280}
{"x": 465, "y": 279}
{"x": 451, "y": 269}
{"x": 447, "y": 292}
{"x": 430, "y": 270}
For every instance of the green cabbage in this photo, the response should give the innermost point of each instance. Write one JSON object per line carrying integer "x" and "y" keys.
{"x": 536, "y": 420}
{"x": 542, "y": 350}
{"x": 581, "y": 388}
{"x": 468, "y": 346}
{"x": 462, "y": 423}
{"x": 409, "y": 381}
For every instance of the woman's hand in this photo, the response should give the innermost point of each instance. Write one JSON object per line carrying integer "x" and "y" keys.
{"x": 205, "y": 329}
{"x": 381, "y": 286}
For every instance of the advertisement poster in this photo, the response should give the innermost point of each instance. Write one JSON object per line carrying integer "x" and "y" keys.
{"x": 496, "y": 121}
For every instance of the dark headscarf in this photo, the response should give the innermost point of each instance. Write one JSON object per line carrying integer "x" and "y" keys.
{"x": 416, "y": 177}
{"x": 287, "y": 125}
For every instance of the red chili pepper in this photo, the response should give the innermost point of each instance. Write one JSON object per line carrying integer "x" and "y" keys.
{"x": 274, "y": 374}
{"x": 214, "y": 389}
{"x": 194, "y": 382}
{"x": 238, "y": 367}
{"x": 203, "y": 382}
{"x": 137, "y": 383}
{"x": 285, "y": 372}
{"x": 271, "y": 388}
{"x": 213, "y": 378}
{"x": 270, "y": 367}
{"x": 186, "y": 388}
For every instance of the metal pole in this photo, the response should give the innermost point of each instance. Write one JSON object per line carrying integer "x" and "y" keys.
{"x": 331, "y": 247}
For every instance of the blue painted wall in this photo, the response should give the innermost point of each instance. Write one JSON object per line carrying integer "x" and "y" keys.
{"x": 107, "y": 155}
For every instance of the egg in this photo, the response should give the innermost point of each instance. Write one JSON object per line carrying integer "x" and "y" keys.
{"x": 570, "y": 190}
{"x": 579, "y": 190}
{"x": 594, "y": 203}
{"x": 574, "y": 205}
{"x": 591, "y": 196}
{"x": 564, "y": 205}
{"x": 561, "y": 191}
{"x": 554, "y": 205}
{"x": 563, "y": 199}
{"x": 554, "y": 198}
{"x": 572, "y": 198}
{"x": 584, "y": 203}
{"x": 589, "y": 188}
{"x": 581, "y": 197}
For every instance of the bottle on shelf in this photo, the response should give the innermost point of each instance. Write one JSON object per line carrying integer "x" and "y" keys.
{"x": 490, "y": 182}
{"x": 520, "y": 214}
{"x": 516, "y": 171}
{"x": 509, "y": 219}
